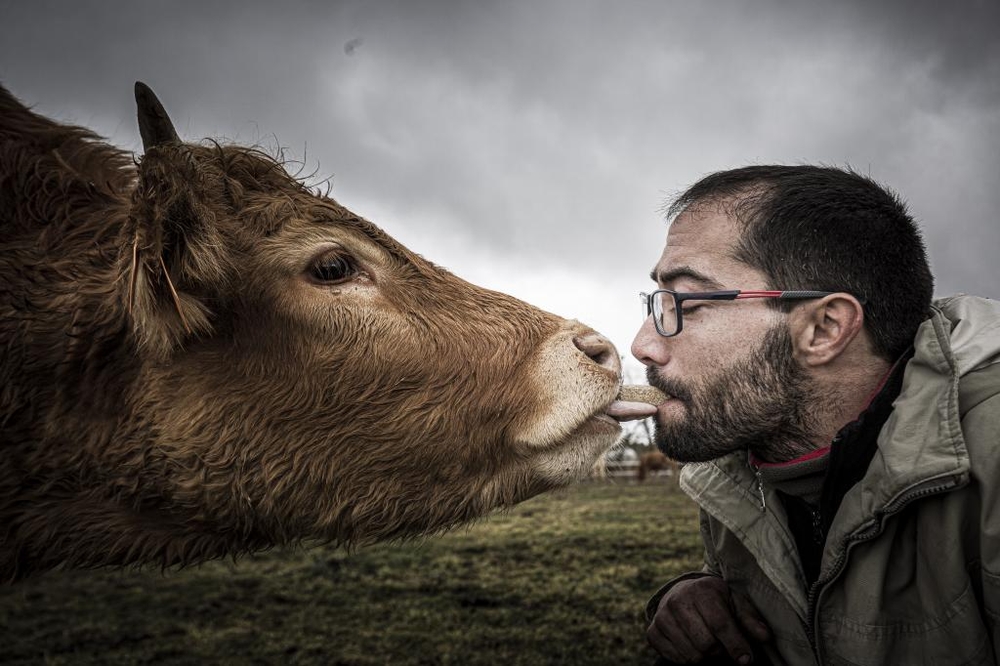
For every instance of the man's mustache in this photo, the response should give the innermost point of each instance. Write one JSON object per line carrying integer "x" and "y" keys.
{"x": 671, "y": 387}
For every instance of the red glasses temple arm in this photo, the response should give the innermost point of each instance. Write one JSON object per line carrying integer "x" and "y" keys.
{"x": 785, "y": 295}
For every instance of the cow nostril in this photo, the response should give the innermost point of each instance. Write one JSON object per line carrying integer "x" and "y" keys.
{"x": 599, "y": 350}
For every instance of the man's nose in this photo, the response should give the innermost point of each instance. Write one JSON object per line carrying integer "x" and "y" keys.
{"x": 649, "y": 347}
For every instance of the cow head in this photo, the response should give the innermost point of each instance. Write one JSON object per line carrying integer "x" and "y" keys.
{"x": 303, "y": 375}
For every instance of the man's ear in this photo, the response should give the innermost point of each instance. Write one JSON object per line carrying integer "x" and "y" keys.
{"x": 169, "y": 249}
{"x": 823, "y": 328}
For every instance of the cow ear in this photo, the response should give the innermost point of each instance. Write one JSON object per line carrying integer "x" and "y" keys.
{"x": 164, "y": 262}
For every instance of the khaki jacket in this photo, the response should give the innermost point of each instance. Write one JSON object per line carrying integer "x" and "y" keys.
{"x": 910, "y": 572}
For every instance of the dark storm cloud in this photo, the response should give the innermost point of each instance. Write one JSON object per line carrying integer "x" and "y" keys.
{"x": 523, "y": 137}
{"x": 959, "y": 39}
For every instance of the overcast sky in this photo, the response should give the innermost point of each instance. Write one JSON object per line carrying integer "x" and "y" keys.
{"x": 530, "y": 146}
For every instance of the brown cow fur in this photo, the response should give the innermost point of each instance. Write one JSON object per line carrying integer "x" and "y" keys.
{"x": 180, "y": 383}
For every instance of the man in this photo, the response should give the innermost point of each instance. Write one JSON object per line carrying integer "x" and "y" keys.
{"x": 844, "y": 429}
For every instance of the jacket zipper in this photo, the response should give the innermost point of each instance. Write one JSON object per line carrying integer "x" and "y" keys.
{"x": 817, "y": 526}
{"x": 760, "y": 484}
{"x": 893, "y": 507}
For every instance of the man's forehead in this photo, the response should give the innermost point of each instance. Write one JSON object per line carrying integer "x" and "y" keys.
{"x": 707, "y": 227}
{"x": 700, "y": 246}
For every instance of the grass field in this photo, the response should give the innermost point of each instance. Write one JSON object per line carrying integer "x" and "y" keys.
{"x": 561, "y": 579}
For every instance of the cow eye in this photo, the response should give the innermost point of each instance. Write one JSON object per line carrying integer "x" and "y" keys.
{"x": 332, "y": 268}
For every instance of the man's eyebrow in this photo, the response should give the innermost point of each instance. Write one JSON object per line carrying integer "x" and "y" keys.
{"x": 684, "y": 272}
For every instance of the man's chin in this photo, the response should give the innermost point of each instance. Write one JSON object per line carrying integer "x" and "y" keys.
{"x": 681, "y": 455}
{"x": 686, "y": 447}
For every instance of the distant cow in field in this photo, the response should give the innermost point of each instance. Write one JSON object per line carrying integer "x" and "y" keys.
{"x": 655, "y": 461}
{"x": 202, "y": 357}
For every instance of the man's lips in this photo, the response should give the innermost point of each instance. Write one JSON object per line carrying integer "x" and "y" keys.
{"x": 636, "y": 402}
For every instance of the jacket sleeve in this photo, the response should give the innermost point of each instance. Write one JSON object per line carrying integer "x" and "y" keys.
{"x": 981, "y": 429}
{"x": 709, "y": 568}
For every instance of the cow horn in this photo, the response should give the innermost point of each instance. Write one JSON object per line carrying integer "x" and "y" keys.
{"x": 154, "y": 123}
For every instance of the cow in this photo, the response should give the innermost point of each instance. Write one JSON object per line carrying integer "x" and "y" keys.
{"x": 203, "y": 357}
{"x": 655, "y": 461}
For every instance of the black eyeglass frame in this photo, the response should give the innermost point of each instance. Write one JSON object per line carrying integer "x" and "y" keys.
{"x": 727, "y": 295}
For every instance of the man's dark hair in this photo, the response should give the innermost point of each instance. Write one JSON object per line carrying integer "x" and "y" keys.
{"x": 828, "y": 229}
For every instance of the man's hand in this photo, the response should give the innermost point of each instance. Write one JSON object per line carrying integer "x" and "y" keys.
{"x": 702, "y": 617}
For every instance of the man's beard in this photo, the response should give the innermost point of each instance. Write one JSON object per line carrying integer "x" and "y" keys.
{"x": 762, "y": 403}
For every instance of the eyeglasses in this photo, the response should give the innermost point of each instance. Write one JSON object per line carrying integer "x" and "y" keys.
{"x": 665, "y": 305}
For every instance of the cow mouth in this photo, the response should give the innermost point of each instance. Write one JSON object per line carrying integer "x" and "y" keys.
{"x": 603, "y": 417}
{"x": 598, "y": 422}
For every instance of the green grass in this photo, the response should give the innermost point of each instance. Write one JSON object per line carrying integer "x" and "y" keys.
{"x": 560, "y": 579}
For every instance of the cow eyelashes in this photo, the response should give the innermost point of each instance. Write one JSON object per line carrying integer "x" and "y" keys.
{"x": 332, "y": 268}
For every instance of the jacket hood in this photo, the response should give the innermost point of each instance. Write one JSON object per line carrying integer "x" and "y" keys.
{"x": 921, "y": 448}
{"x": 975, "y": 331}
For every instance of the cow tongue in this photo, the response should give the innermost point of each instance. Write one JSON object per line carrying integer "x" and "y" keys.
{"x": 635, "y": 402}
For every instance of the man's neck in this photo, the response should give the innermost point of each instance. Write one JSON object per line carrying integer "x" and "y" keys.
{"x": 845, "y": 393}
{"x": 838, "y": 396}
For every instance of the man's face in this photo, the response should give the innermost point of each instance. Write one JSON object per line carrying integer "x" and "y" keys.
{"x": 731, "y": 371}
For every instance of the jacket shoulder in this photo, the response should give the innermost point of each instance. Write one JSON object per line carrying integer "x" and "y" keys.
{"x": 977, "y": 387}
{"x": 971, "y": 325}
{"x": 974, "y": 341}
